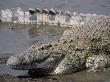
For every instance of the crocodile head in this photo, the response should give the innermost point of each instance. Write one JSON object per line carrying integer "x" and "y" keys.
{"x": 18, "y": 62}
{"x": 35, "y": 59}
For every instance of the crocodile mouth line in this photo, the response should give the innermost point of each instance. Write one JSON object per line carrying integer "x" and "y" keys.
{"x": 19, "y": 67}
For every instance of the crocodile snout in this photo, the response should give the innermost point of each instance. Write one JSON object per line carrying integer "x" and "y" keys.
{"x": 12, "y": 61}
{"x": 20, "y": 63}
{"x": 15, "y": 62}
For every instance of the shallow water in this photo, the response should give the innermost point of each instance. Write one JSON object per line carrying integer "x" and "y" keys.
{"x": 6, "y": 70}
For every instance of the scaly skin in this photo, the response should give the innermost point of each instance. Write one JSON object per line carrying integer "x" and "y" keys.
{"x": 81, "y": 47}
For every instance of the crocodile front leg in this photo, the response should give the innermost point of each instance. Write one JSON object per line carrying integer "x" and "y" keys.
{"x": 97, "y": 63}
{"x": 73, "y": 62}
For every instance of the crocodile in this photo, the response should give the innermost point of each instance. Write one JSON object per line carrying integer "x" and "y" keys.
{"x": 82, "y": 47}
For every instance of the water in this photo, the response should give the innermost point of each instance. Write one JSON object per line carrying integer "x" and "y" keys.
{"x": 12, "y": 40}
{"x": 6, "y": 70}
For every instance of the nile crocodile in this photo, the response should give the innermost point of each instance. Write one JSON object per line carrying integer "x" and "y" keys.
{"x": 82, "y": 47}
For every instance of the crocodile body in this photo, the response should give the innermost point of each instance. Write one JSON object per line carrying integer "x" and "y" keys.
{"x": 81, "y": 47}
